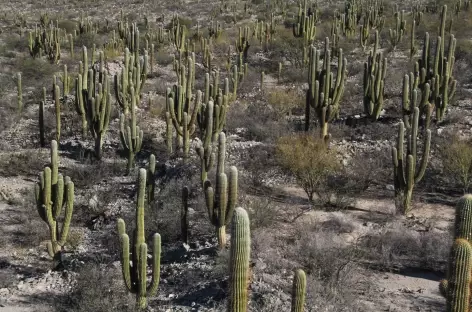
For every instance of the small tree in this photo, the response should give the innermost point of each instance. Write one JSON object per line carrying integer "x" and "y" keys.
{"x": 309, "y": 159}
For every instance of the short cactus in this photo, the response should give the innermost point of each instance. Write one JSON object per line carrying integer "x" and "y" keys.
{"x": 298, "y": 291}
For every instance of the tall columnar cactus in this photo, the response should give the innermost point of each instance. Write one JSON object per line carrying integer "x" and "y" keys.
{"x": 151, "y": 182}
{"x": 413, "y": 46}
{"x": 131, "y": 136}
{"x": 57, "y": 105}
{"x": 298, "y": 291}
{"x": 460, "y": 276}
{"x": 52, "y": 194}
{"x": 205, "y": 149}
{"x": 239, "y": 261}
{"x": 221, "y": 200}
{"x": 184, "y": 215}
{"x": 133, "y": 75}
{"x": 463, "y": 220}
{"x": 437, "y": 70}
{"x": 410, "y": 100}
{"x": 95, "y": 102}
{"x": 19, "y": 93}
{"x": 407, "y": 172}
{"x": 364, "y": 32}
{"x": 396, "y": 34}
{"x": 179, "y": 110}
{"x": 134, "y": 269}
{"x": 65, "y": 79}
{"x": 374, "y": 75}
{"x": 324, "y": 91}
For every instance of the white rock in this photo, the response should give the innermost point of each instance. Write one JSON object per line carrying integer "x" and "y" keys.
{"x": 390, "y": 187}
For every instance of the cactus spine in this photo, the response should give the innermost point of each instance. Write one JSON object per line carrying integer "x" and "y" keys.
{"x": 405, "y": 171}
{"x": 131, "y": 136}
{"x": 52, "y": 193}
{"x": 374, "y": 74}
{"x": 239, "y": 261}
{"x": 134, "y": 272}
{"x": 298, "y": 291}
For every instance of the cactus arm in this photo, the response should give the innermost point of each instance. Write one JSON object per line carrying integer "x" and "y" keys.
{"x": 68, "y": 213}
{"x": 156, "y": 265}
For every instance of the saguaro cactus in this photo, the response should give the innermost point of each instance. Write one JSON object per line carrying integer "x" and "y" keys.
{"x": 324, "y": 92}
{"x": 131, "y": 136}
{"x": 460, "y": 270}
{"x": 463, "y": 223}
{"x": 134, "y": 272}
{"x": 239, "y": 261}
{"x": 298, "y": 291}
{"x": 52, "y": 193}
{"x": 221, "y": 205}
{"x": 374, "y": 74}
{"x": 406, "y": 175}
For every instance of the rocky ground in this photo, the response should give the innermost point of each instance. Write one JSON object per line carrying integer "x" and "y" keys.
{"x": 359, "y": 255}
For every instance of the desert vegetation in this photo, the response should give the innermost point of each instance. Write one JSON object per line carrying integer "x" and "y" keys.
{"x": 241, "y": 155}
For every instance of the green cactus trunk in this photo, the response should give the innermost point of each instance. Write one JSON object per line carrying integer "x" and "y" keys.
{"x": 298, "y": 291}
{"x": 239, "y": 261}
{"x": 458, "y": 288}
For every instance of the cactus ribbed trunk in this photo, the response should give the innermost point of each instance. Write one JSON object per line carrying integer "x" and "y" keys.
{"x": 221, "y": 236}
{"x": 98, "y": 147}
{"x": 239, "y": 261}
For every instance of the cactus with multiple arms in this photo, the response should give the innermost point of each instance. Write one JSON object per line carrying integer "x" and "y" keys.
{"x": 396, "y": 34}
{"x": 221, "y": 204}
{"x": 374, "y": 74}
{"x": 239, "y": 261}
{"x": 405, "y": 171}
{"x": 131, "y": 136}
{"x": 298, "y": 291}
{"x": 324, "y": 92}
{"x": 52, "y": 193}
{"x": 134, "y": 272}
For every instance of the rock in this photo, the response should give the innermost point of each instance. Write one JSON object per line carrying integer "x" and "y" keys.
{"x": 20, "y": 285}
{"x": 93, "y": 202}
{"x": 390, "y": 187}
{"x": 4, "y": 292}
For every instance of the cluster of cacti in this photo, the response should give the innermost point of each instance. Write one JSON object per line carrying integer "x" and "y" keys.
{"x": 435, "y": 72}
{"x": 417, "y": 13}
{"x": 55, "y": 193}
{"x": 364, "y": 32}
{"x": 221, "y": 199}
{"x": 374, "y": 75}
{"x": 461, "y": 6}
{"x": 242, "y": 42}
{"x": 214, "y": 29}
{"x": 178, "y": 35}
{"x": 407, "y": 168}
{"x": 396, "y": 34}
{"x": 305, "y": 25}
{"x": 132, "y": 77}
{"x": 93, "y": 101}
{"x": 46, "y": 40}
{"x": 87, "y": 26}
{"x": 456, "y": 288}
{"x": 131, "y": 136}
{"x": 324, "y": 91}
{"x": 240, "y": 253}
{"x": 135, "y": 269}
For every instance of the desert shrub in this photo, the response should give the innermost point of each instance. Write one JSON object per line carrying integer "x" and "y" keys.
{"x": 68, "y": 25}
{"x": 98, "y": 290}
{"x": 456, "y": 156}
{"x": 262, "y": 212}
{"x": 309, "y": 159}
{"x": 284, "y": 101}
{"x": 35, "y": 71}
{"x": 88, "y": 174}
{"x": 29, "y": 162}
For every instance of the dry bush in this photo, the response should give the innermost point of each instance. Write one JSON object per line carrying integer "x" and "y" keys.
{"x": 35, "y": 71}
{"x": 97, "y": 290}
{"x": 309, "y": 160}
{"x": 285, "y": 101}
{"x": 28, "y": 162}
{"x": 262, "y": 211}
{"x": 456, "y": 156}
{"x": 88, "y": 174}
{"x": 397, "y": 247}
